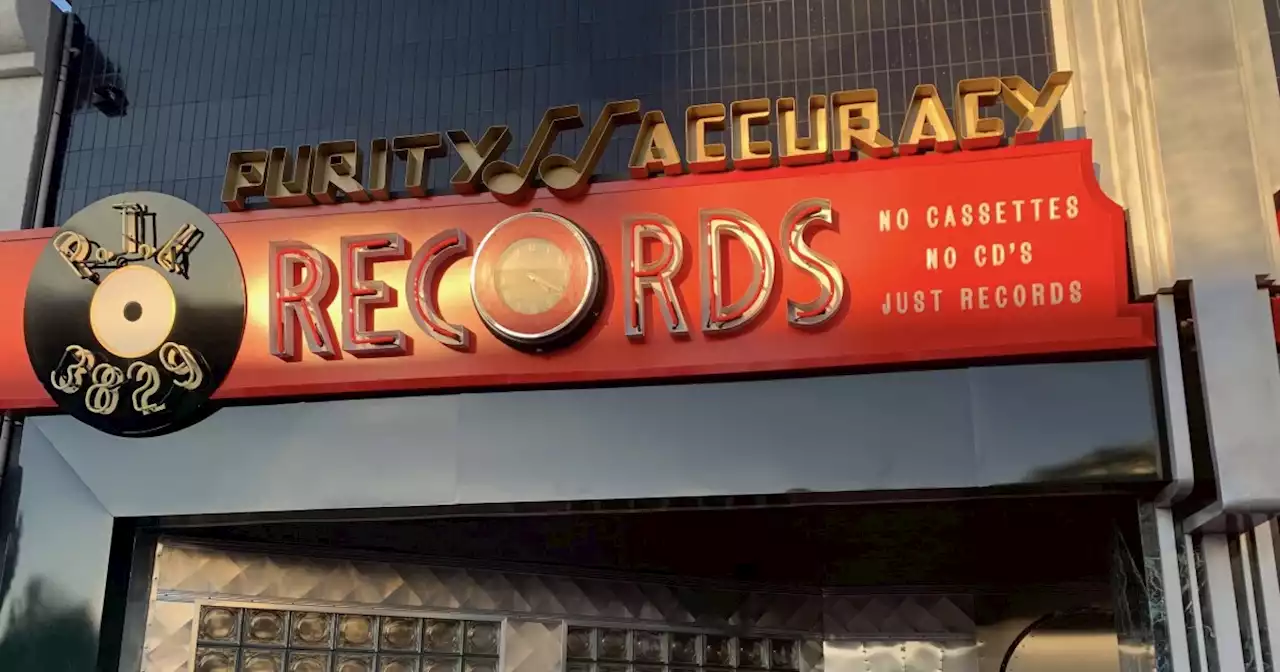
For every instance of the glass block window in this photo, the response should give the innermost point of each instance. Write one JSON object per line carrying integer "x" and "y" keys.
{"x": 231, "y": 639}
{"x": 191, "y": 80}
{"x": 622, "y": 650}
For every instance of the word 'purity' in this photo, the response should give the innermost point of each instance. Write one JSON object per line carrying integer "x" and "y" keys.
{"x": 333, "y": 171}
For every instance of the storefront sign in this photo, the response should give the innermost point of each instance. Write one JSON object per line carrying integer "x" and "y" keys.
{"x": 842, "y": 126}
{"x": 940, "y": 257}
{"x": 134, "y": 314}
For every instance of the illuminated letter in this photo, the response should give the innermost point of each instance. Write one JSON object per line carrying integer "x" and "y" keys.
{"x": 1033, "y": 107}
{"x": 476, "y": 156}
{"x": 361, "y": 294}
{"x": 926, "y": 125}
{"x": 422, "y": 283}
{"x": 655, "y": 149}
{"x": 857, "y": 119}
{"x": 287, "y": 180}
{"x": 244, "y": 178}
{"x": 639, "y": 275}
{"x": 715, "y": 224}
{"x": 513, "y": 184}
{"x": 300, "y": 280}
{"x": 416, "y": 151}
{"x": 748, "y": 153}
{"x": 337, "y": 170}
{"x": 971, "y": 96}
{"x": 812, "y": 211}
{"x": 570, "y": 178}
{"x": 703, "y": 157}
{"x": 797, "y": 151}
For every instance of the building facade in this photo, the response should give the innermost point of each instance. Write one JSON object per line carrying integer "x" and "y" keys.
{"x": 600, "y": 337}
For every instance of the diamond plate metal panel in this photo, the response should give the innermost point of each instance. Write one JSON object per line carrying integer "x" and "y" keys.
{"x": 532, "y": 646}
{"x": 937, "y": 630}
{"x": 167, "y": 644}
{"x": 898, "y": 617}
{"x": 239, "y": 575}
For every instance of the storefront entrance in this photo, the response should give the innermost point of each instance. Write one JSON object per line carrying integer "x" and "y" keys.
{"x": 997, "y": 585}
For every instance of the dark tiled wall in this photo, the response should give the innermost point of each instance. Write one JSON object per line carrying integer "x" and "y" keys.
{"x": 205, "y": 77}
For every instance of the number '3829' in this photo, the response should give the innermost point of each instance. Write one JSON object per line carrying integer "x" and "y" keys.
{"x": 79, "y": 369}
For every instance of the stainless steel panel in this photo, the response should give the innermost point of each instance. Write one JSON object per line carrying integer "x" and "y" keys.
{"x": 901, "y": 656}
{"x": 1085, "y": 651}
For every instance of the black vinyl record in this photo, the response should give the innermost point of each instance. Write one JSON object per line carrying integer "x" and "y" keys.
{"x": 134, "y": 314}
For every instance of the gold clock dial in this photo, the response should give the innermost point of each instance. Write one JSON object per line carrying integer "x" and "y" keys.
{"x": 531, "y": 275}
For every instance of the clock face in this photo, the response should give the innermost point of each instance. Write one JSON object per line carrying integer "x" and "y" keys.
{"x": 536, "y": 281}
{"x": 532, "y": 275}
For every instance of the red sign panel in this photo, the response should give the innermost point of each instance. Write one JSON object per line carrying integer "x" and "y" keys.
{"x": 1012, "y": 251}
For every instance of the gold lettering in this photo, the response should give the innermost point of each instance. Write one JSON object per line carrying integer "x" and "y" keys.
{"x": 654, "y": 150}
{"x": 476, "y": 156}
{"x": 288, "y": 180}
{"x": 748, "y": 153}
{"x": 977, "y": 132}
{"x": 103, "y": 394}
{"x": 699, "y": 120}
{"x": 174, "y": 255}
{"x": 798, "y": 151}
{"x": 244, "y": 178}
{"x": 133, "y": 227}
{"x": 332, "y": 171}
{"x": 379, "y": 171}
{"x": 514, "y": 184}
{"x": 858, "y": 125}
{"x": 417, "y": 151}
{"x": 69, "y": 376}
{"x": 570, "y": 178}
{"x": 926, "y": 125}
{"x": 337, "y": 171}
{"x": 1033, "y": 107}
{"x": 75, "y": 249}
{"x": 180, "y": 361}
{"x": 149, "y": 377}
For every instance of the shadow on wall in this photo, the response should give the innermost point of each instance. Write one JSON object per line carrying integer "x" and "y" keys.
{"x": 41, "y": 631}
{"x": 97, "y": 81}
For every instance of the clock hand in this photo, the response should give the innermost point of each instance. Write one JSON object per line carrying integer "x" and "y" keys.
{"x": 544, "y": 283}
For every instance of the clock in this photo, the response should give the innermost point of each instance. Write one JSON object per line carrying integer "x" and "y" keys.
{"x": 536, "y": 281}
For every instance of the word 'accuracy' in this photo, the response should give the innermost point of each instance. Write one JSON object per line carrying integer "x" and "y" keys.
{"x": 843, "y": 125}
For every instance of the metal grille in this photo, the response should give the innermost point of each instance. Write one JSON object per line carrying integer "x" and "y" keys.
{"x": 200, "y": 79}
